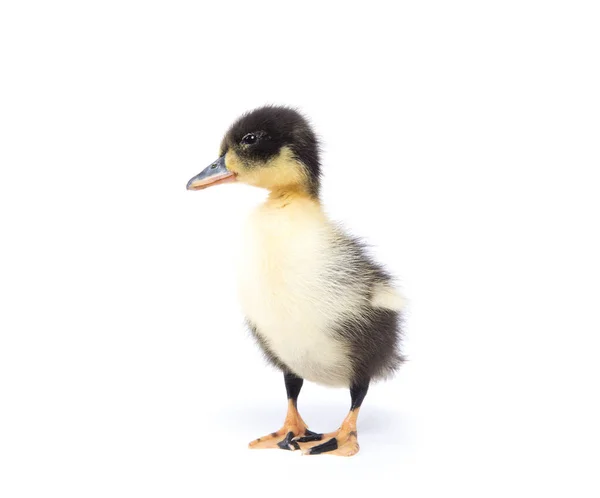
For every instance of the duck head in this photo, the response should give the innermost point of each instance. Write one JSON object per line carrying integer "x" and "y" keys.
{"x": 271, "y": 147}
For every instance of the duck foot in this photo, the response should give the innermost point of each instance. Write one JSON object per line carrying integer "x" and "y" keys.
{"x": 282, "y": 439}
{"x": 342, "y": 442}
{"x": 293, "y": 427}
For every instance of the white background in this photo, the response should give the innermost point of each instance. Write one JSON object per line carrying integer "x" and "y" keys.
{"x": 461, "y": 139}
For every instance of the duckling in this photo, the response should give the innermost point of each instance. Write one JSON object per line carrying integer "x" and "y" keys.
{"x": 318, "y": 306}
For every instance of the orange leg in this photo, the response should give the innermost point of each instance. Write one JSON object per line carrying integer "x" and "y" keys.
{"x": 293, "y": 426}
{"x": 344, "y": 441}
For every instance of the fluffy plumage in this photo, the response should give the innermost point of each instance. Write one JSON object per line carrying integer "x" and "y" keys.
{"x": 318, "y": 305}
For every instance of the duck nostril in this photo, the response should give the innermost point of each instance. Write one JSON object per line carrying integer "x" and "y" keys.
{"x": 213, "y": 166}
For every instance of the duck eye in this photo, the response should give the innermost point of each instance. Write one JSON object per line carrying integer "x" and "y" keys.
{"x": 249, "y": 139}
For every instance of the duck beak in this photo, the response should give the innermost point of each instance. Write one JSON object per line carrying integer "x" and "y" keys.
{"x": 215, "y": 174}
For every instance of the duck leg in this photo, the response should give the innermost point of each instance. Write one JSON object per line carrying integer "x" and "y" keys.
{"x": 344, "y": 441}
{"x": 293, "y": 426}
